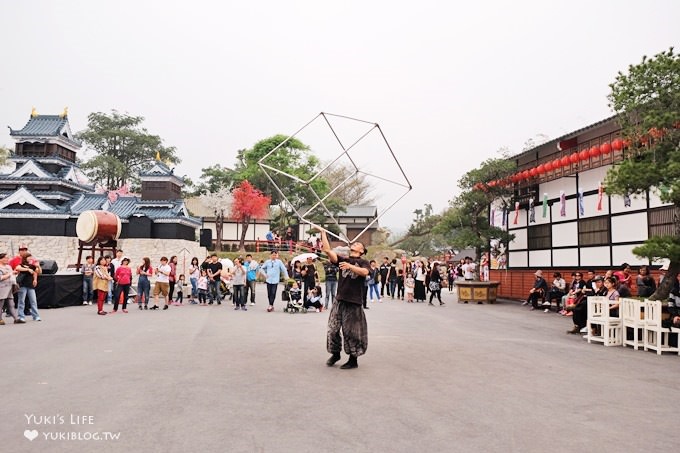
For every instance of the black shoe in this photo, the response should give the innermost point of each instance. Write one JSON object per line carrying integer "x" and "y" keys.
{"x": 351, "y": 363}
{"x": 165, "y": 307}
{"x": 146, "y": 307}
{"x": 155, "y": 307}
{"x": 334, "y": 358}
{"x": 210, "y": 303}
{"x": 140, "y": 307}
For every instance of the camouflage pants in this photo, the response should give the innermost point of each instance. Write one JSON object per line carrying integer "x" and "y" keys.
{"x": 349, "y": 318}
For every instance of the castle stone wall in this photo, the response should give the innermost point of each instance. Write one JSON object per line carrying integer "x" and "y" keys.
{"x": 64, "y": 250}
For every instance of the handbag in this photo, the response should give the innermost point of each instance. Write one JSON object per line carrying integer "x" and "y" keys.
{"x": 20, "y": 278}
{"x": 434, "y": 286}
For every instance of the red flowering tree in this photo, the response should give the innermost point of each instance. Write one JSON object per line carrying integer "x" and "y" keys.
{"x": 248, "y": 203}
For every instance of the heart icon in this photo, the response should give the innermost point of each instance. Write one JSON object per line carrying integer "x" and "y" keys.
{"x": 31, "y": 434}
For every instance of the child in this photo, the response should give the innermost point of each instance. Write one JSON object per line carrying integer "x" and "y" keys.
{"x": 295, "y": 292}
{"x": 410, "y": 284}
{"x": 400, "y": 284}
{"x": 203, "y": 288}
{"x": 180, "y": 290}
{"x": 314, "y": 299}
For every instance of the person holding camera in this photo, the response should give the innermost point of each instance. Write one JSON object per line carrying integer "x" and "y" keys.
{"x": 313, "y": 299}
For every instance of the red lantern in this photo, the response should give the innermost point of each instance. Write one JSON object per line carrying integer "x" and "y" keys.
{"x": 540, "y": 169}
{"x": 526, "y": 174}
{"x": 583, "y": 155}
{"x": 564, "y": 161}
{"x": 605, "y": 148}
{"x": 492, "y": 183}
{"x": 626, "y": 143}
{"x": 556, "y": 164}
{"x": 548, "y": 166}
{"x": 594, "y": 151}
{"x": 533, "y": 172}
{"x": 573, "y": 158}
{"x": 617, "y": 144}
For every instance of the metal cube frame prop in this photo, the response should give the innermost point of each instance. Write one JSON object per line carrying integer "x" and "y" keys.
{"x": 348, "y": 151}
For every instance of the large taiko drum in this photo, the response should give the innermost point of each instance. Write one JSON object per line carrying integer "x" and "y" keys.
{"x": 99, "y": 226}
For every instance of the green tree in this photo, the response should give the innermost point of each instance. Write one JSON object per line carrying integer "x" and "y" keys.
{"x": 647, "y": 101}
{"x": 466, "y": 222}
{"x": 122, "y": 148}
{"x": 214, "y": 178}
{"x": 293, "y": 158}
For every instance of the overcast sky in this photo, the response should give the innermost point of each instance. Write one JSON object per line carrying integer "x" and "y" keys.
{"x": 448, "y": 84}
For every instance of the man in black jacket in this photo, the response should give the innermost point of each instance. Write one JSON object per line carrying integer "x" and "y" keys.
{"x": 539, "y": 290}
{"x": 384, "y": 270}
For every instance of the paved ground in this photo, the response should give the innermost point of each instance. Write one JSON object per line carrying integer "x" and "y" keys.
{"x": 488, "y": 378}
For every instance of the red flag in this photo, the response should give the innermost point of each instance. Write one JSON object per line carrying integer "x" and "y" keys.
{"x": 600, "y": 193}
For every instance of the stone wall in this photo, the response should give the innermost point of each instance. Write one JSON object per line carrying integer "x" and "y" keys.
{"x": 64, "y": 250}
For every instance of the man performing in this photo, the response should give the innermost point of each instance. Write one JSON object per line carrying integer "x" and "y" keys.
{"x": 347, "y": 313}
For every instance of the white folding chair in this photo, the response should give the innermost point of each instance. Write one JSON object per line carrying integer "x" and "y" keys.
{"x": 657, "y": 337}
{"x": 632, "y": 315}
{"x": 609, "y": 326}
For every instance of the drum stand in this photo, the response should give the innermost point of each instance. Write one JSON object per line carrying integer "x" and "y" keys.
{"x": 92, "y": 247}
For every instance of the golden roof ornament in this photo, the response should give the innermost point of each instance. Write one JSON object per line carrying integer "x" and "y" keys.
{"x": 158, "y": 155}
{"x": 34, "y": 112}
{"x": 64, "y": 114}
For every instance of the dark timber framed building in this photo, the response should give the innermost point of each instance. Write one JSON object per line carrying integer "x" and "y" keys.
{"x": 583, "y": 227}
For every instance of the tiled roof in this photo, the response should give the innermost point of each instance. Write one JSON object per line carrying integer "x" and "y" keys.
{"x": 158, "y": 169}
{"x": 41, "y": 125}
{"x": 360, "y": 211}
{"x": 45, "y": 126}
{"x": 127, "y": 206}
{"x": 566, "y": 136}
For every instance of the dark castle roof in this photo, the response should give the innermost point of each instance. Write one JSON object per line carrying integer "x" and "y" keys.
{"x": 46, "y": 126}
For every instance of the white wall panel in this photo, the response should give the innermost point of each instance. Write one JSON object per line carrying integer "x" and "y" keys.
{"x": 539, "y": 258}
{"x": 565, "y": 234}
{"x": 629, "y": 227}
{"x": 589, "y": 180}
{"x": 539, "y": 213}
{"x": 517, "y": 259}
{"x": 565, "y": 257}
{"x": 595, "y": 256}
{"x": 636, "y": 202}
{"x": 570, "y": 212}
{"x": 624, "y": 254}
{"x": 590, "y": 206}
{"x": 654, "y": 200}
{"x": 553, "y": 187}
{"x": 521, "y": 219}
{"x": 520, "y": 241}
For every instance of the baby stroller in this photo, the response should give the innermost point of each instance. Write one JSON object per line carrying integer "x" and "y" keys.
{"x": 293, "y": 299}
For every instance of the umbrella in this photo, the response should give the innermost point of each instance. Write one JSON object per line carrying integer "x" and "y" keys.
{"x": 227, "y": 263}
{"x": 302, "y": 258}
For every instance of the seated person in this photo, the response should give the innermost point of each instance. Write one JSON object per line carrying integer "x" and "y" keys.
{"x": 314, "y": 298}
{"x": 575, "y": 294}
{"x": 580, "y": 309}
{"x": 645, "y": 282}
{"x": 558, "y": 289}
{"x": 589, "y": 290}
{"x": 538, "y": 291}
{"x": 622, "y": 288}
{"x": 295, "y": 292}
